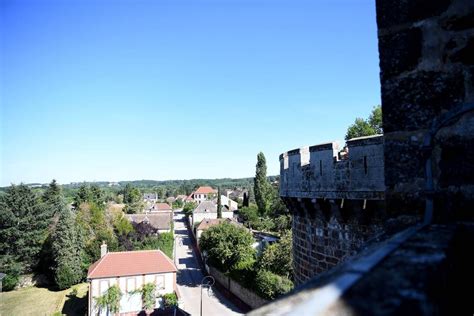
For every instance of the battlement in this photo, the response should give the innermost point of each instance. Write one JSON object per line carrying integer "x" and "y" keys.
{"x": 319, "y": 172}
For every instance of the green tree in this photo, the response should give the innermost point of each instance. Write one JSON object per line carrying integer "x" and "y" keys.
{"x": 133, "y": 198}
{"x": 219, "y": 206}
{"x": 177, "y": 204}
{"x": 277, "y": 205}
{"x": 170, "y": 300}
{"x": 245, "y": 202}
{"x": 270, "y": 285}
{"x": 228, "y": 246}
{"x": 122, "y": 225}
{"x": 97, "y": 195}
{"x": 67, "y": 248}
{"x": 262, "y": 187}
{"x": 371, "y": 126}
{"x": 278, "y": 258}
{"x": 375, "y": 119}
{"x": 83, "y": 195}
{"x": 53, "y": 194}
{"x": 250, "y": 216}
{"x": 24, "y": 227}
{"x": 189, "y": 208}
{"x": 95, "y": 227}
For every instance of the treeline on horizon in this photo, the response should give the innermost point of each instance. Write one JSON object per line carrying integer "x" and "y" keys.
{"x": 164, "y": 188}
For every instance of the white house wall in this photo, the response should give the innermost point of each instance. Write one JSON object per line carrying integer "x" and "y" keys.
{"x": 130, "y": 302}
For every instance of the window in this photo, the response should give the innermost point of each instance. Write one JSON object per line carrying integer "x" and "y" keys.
{"x": 130, "y": 284}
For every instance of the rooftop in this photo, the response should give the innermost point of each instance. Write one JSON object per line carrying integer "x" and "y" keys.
{"x": 125, "y": 263}
{"x": 206, "y": 207}
{"x": 162, "y": 207}
{"x": 205, "y": 190}
{"x": 158, "y": 221}
{"x": 207, "y": 222}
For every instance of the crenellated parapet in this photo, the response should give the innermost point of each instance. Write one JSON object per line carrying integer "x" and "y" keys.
{"x": 320, "y": 171}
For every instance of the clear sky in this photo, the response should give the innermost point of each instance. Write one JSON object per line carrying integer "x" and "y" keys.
{"x": 177, "y": 89}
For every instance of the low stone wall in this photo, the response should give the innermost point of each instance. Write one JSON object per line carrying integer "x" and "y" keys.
{"x": 244, "y": 294}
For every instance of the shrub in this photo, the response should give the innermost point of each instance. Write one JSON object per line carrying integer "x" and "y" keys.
{"x": 148, "y": 295}
{"x": 228, "y": 246}
{"x": 65, "y": 277}
{"x": 10, "y": 281}
{"x": 270, "y": 285}
{"x": 170, "y": 300}
{"x": 110, "y": 300}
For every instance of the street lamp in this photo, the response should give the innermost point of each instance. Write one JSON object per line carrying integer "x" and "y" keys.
{"x": 210, "y": 282}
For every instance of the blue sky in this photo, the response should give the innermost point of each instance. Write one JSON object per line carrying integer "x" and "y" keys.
{"x": 179, "y": 89}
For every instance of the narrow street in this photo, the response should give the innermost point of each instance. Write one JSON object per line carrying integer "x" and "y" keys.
{"x": 190, "y": 277}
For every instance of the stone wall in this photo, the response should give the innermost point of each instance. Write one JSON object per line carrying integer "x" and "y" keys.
{"x": 244, "y": 294}
{"x": 317, "y": 171}
{"x": 337, "y": 204}
{"x": 324, "y": 234}
{"x": 427, "y": 70}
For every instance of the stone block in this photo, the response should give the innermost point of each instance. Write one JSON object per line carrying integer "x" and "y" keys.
{"x": 410, "y": 103}
{"x": 456, "y": 164}
{"x": 400, "y": 51}
{"x": 458, "y": 21}
{"x": 394, "y": 12}
{"x": 465, "y": 54}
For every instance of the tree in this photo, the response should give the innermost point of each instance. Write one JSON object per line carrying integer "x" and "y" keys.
{"x": 278, "y": 207}
{"x": 67, "y": 248}
{"x": 83, "y": 195}
{"x": 270, "y": 285}
{"x": 228, "y": 246}
{"x": 189, "y": 208}
{"x": 96, "y": 228}
{"x": 249, "y": 215}
{"x": 170, "y": 300}
{"x": 219, "y": 205}
{"x": 371, "y": 126}
{"x": 262, "y": 187}
{"x": 245, "y": 202}
{"x": 375, "y": 119}
{"x": 97, "y": 195}
{"x": 53, "y": 194}
{"x": 133, "y": 198}
{"x": 24, "y": 222}
{"x": 277, "y": 257}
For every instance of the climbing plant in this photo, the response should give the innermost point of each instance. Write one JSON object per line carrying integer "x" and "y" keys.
{"x": 110, "y": 300}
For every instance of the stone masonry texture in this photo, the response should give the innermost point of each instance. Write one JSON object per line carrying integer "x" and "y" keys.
{"x": 426, "y": 52}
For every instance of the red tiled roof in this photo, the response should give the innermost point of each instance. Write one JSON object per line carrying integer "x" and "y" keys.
{"x": 190, "y": 197}
{"x": 115, "y": 264}
{"x": 205, "y": 190}
{"x": 162, "y": 207}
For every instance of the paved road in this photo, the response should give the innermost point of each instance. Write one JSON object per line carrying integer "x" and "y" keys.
{"x": 190, "y": 277}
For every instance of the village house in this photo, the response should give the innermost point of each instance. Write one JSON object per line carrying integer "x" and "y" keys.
{"x": 162, "y": 222}
{"x": 208, "y": 210}
{"x": 150, "y": 197}
{"x": 228, "y": 203}
{"x": 130, "y": 270}
{"x": 202, "y": 194}
{"x": 161, "y": 208}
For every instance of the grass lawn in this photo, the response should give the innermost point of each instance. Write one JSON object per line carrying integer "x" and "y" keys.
{"x": 41, "y": 301}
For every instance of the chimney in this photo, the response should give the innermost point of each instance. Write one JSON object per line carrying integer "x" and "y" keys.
{"x": 103, "y": 249}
